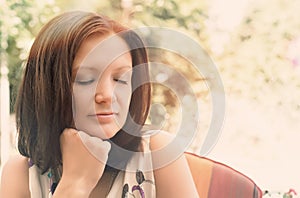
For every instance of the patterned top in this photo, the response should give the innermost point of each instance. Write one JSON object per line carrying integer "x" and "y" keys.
{"x": 136, "y": 184}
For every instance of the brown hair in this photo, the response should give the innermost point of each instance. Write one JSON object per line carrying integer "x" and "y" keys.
{"x": 44, "y": 103}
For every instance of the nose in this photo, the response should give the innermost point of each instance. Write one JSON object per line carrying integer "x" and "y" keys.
{"x": 104, "y": 92}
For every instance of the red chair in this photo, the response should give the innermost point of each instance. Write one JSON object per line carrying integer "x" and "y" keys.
{"x": 217, "y": 180}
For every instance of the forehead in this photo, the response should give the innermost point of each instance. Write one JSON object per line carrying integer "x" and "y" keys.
{"x": 102, "y": 49}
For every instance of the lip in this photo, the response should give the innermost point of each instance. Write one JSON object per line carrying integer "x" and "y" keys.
{"x": 105, "y": 117}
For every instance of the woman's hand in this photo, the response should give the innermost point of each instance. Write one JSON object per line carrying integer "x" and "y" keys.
{"x": 84, "y": 158}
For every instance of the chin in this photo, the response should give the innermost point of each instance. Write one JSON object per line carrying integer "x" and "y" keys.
{"x": 102, "y": 136}
{"x": 106, "y": 135}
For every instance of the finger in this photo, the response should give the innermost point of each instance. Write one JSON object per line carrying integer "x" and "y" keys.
{"x": 97, "y": 147}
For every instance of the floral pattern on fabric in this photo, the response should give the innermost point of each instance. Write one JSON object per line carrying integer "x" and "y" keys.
{"x": 140, "y": 179}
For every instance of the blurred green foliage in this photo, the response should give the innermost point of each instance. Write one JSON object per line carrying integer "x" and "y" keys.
{"x": 20, "y": 21}
{"x": 262, "y": 59}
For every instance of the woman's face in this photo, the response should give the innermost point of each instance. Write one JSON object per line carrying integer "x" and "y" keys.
{"x": 101, "y": 74}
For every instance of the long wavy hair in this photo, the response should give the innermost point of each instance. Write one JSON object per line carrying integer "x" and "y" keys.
{"x": 44, "y": 102}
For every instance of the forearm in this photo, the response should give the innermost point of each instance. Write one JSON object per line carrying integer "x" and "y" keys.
{"x": 79, "y": 179}
{"x": 67, "y": 188}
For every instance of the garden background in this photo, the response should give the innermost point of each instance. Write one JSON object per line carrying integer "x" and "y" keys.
{"x": 254, "y": 44}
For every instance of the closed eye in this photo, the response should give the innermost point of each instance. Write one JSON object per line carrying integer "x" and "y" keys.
{"x": 85, "y": 82}
{"x": 121, "y": 81}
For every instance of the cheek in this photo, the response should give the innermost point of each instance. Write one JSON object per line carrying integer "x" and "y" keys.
{"x": 81, "y": 98}
{"x": 124, "y": 96}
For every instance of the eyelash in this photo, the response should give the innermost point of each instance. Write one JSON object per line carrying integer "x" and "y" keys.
{"x": 92, "y": 80}
{"x": 121, "y": 81}
{"x": 88, "y": 82}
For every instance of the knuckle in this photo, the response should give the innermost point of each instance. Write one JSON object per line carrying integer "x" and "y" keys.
{"x": 69, "y": 132}
{"x": 67, "y": 135}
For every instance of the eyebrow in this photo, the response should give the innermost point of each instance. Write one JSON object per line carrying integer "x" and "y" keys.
{"x": 83, "y": 67}
{"x": 129, "y": 67}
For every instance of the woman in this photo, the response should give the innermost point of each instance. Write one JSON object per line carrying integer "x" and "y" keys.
{"x": 84, "y": 98}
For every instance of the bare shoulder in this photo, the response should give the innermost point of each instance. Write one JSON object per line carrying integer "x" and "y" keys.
{"x": 14, "y": 178}
{"x": 160, "y": 139}
{"x": 170, "y": 177}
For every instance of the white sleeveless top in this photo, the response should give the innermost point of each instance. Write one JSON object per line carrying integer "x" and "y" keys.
{"x": 40, "y": 185}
